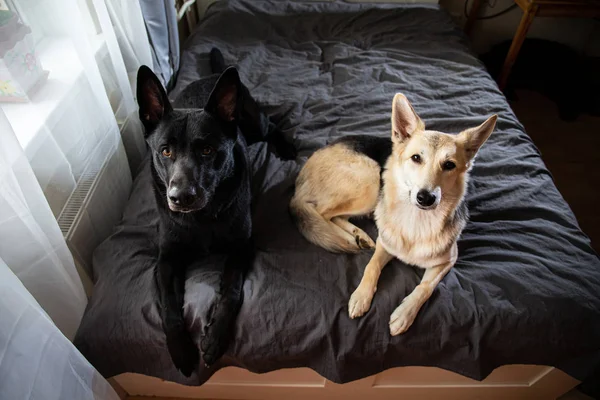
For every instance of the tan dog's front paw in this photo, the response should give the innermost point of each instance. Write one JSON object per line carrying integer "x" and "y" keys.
{"x": 360, "y": 302}
{"x": 363, "y": 240}
{"x": 403, "y": 317}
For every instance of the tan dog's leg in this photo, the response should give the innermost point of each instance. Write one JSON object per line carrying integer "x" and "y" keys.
{"x": 363, "y": 240}
{"x": 360, "y": 301}
{"x": 404, "y": 315}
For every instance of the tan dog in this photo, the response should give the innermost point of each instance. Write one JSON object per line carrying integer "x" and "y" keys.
{"x": 415, "y": 184}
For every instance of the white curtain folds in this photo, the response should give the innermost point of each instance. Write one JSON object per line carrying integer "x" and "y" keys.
{"x": 69, "y": 141}
{"x": 37, "y": 361}
{"x": 32, "y": 244}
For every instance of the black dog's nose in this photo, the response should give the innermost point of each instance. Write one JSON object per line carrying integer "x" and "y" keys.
{"x": 182, "y": 197}
{"x": 425, "y": 198}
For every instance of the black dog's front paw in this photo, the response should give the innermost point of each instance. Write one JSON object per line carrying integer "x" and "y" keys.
{"x": 183, "y": 351}
{"x": 215, "y": 342}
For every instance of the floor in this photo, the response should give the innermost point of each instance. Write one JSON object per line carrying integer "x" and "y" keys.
{"x": 571, "y": 151}
{"x": 574, "y": 395}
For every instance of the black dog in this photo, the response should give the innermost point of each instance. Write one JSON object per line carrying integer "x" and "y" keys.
{"x": 202, "y": 186}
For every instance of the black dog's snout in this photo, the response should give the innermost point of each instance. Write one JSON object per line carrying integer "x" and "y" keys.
{"x": 425, "y": 198}
{"x": 183, "y": 197}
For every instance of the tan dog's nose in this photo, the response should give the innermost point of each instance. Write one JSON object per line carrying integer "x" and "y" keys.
{"x": 425, "y": 198}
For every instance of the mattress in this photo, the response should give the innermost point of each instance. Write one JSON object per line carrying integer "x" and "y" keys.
{"x": 525, "y": 289}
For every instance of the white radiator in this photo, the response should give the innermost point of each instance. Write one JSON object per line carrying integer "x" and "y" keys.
{"x": 95, "y": 207}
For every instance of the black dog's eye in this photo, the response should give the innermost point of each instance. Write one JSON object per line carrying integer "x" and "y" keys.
{"x": 416, "y": 158}
{"x": 166, "y": 153}
{"x": 448, "y": 166}
{"x": 207, "y": 150}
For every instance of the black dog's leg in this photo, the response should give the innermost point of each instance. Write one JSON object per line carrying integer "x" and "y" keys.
{"x": 257, "y": 127}
{"x": 254, "y": 124}
{"x": 170, "y": 281}
{"x": 220, "y": 327}
{"x": 217, "y": 62}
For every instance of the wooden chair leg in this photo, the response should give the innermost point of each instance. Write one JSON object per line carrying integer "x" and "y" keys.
{"x": 473, "y": 14}
{"x": 517, "y": 42}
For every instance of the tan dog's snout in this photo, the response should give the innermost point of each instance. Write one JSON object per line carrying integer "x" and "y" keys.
{"x": 427, "y": 199}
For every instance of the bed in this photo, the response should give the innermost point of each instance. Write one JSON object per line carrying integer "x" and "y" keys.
{"x": 523, "y": 299}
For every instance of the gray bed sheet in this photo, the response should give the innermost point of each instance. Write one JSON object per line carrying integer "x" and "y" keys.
{"x": 525, "y": 290}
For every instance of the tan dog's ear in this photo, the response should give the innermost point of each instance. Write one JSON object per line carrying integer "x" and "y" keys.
{"x": 405, "y": 120}
{"x": 474, "y": 138}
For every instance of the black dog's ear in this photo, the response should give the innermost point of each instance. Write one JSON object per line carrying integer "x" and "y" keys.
{"x": 223, "y": 101}
{"x": 152, "y": 99}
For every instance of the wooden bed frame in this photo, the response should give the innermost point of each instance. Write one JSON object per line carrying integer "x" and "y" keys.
{"x": 507, "y": 382}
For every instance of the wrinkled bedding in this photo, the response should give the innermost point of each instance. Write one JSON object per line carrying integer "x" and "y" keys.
{"x": 526, "y": 287}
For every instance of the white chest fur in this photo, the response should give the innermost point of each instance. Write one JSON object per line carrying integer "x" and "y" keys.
{"x": 415, "y": 236}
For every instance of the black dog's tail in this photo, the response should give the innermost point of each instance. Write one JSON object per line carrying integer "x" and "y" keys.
{"x": 217, "y": 62}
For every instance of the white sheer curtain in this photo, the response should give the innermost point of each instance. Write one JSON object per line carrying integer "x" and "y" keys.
{"x": 31, "y": 241}
{"x": 129, "y": 48}
{"x": 68, "y": 135}
{"x": 37, "y": 361}
{"x": 128, "y": 23}
{"x": 69, "y": 138}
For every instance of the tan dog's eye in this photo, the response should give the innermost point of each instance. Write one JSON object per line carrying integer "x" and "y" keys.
{"x": 416, "y": 158}
{"x": 166, "y": 153}
{"x": 448, "y": 166}
{"x": 207, "y": 151}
